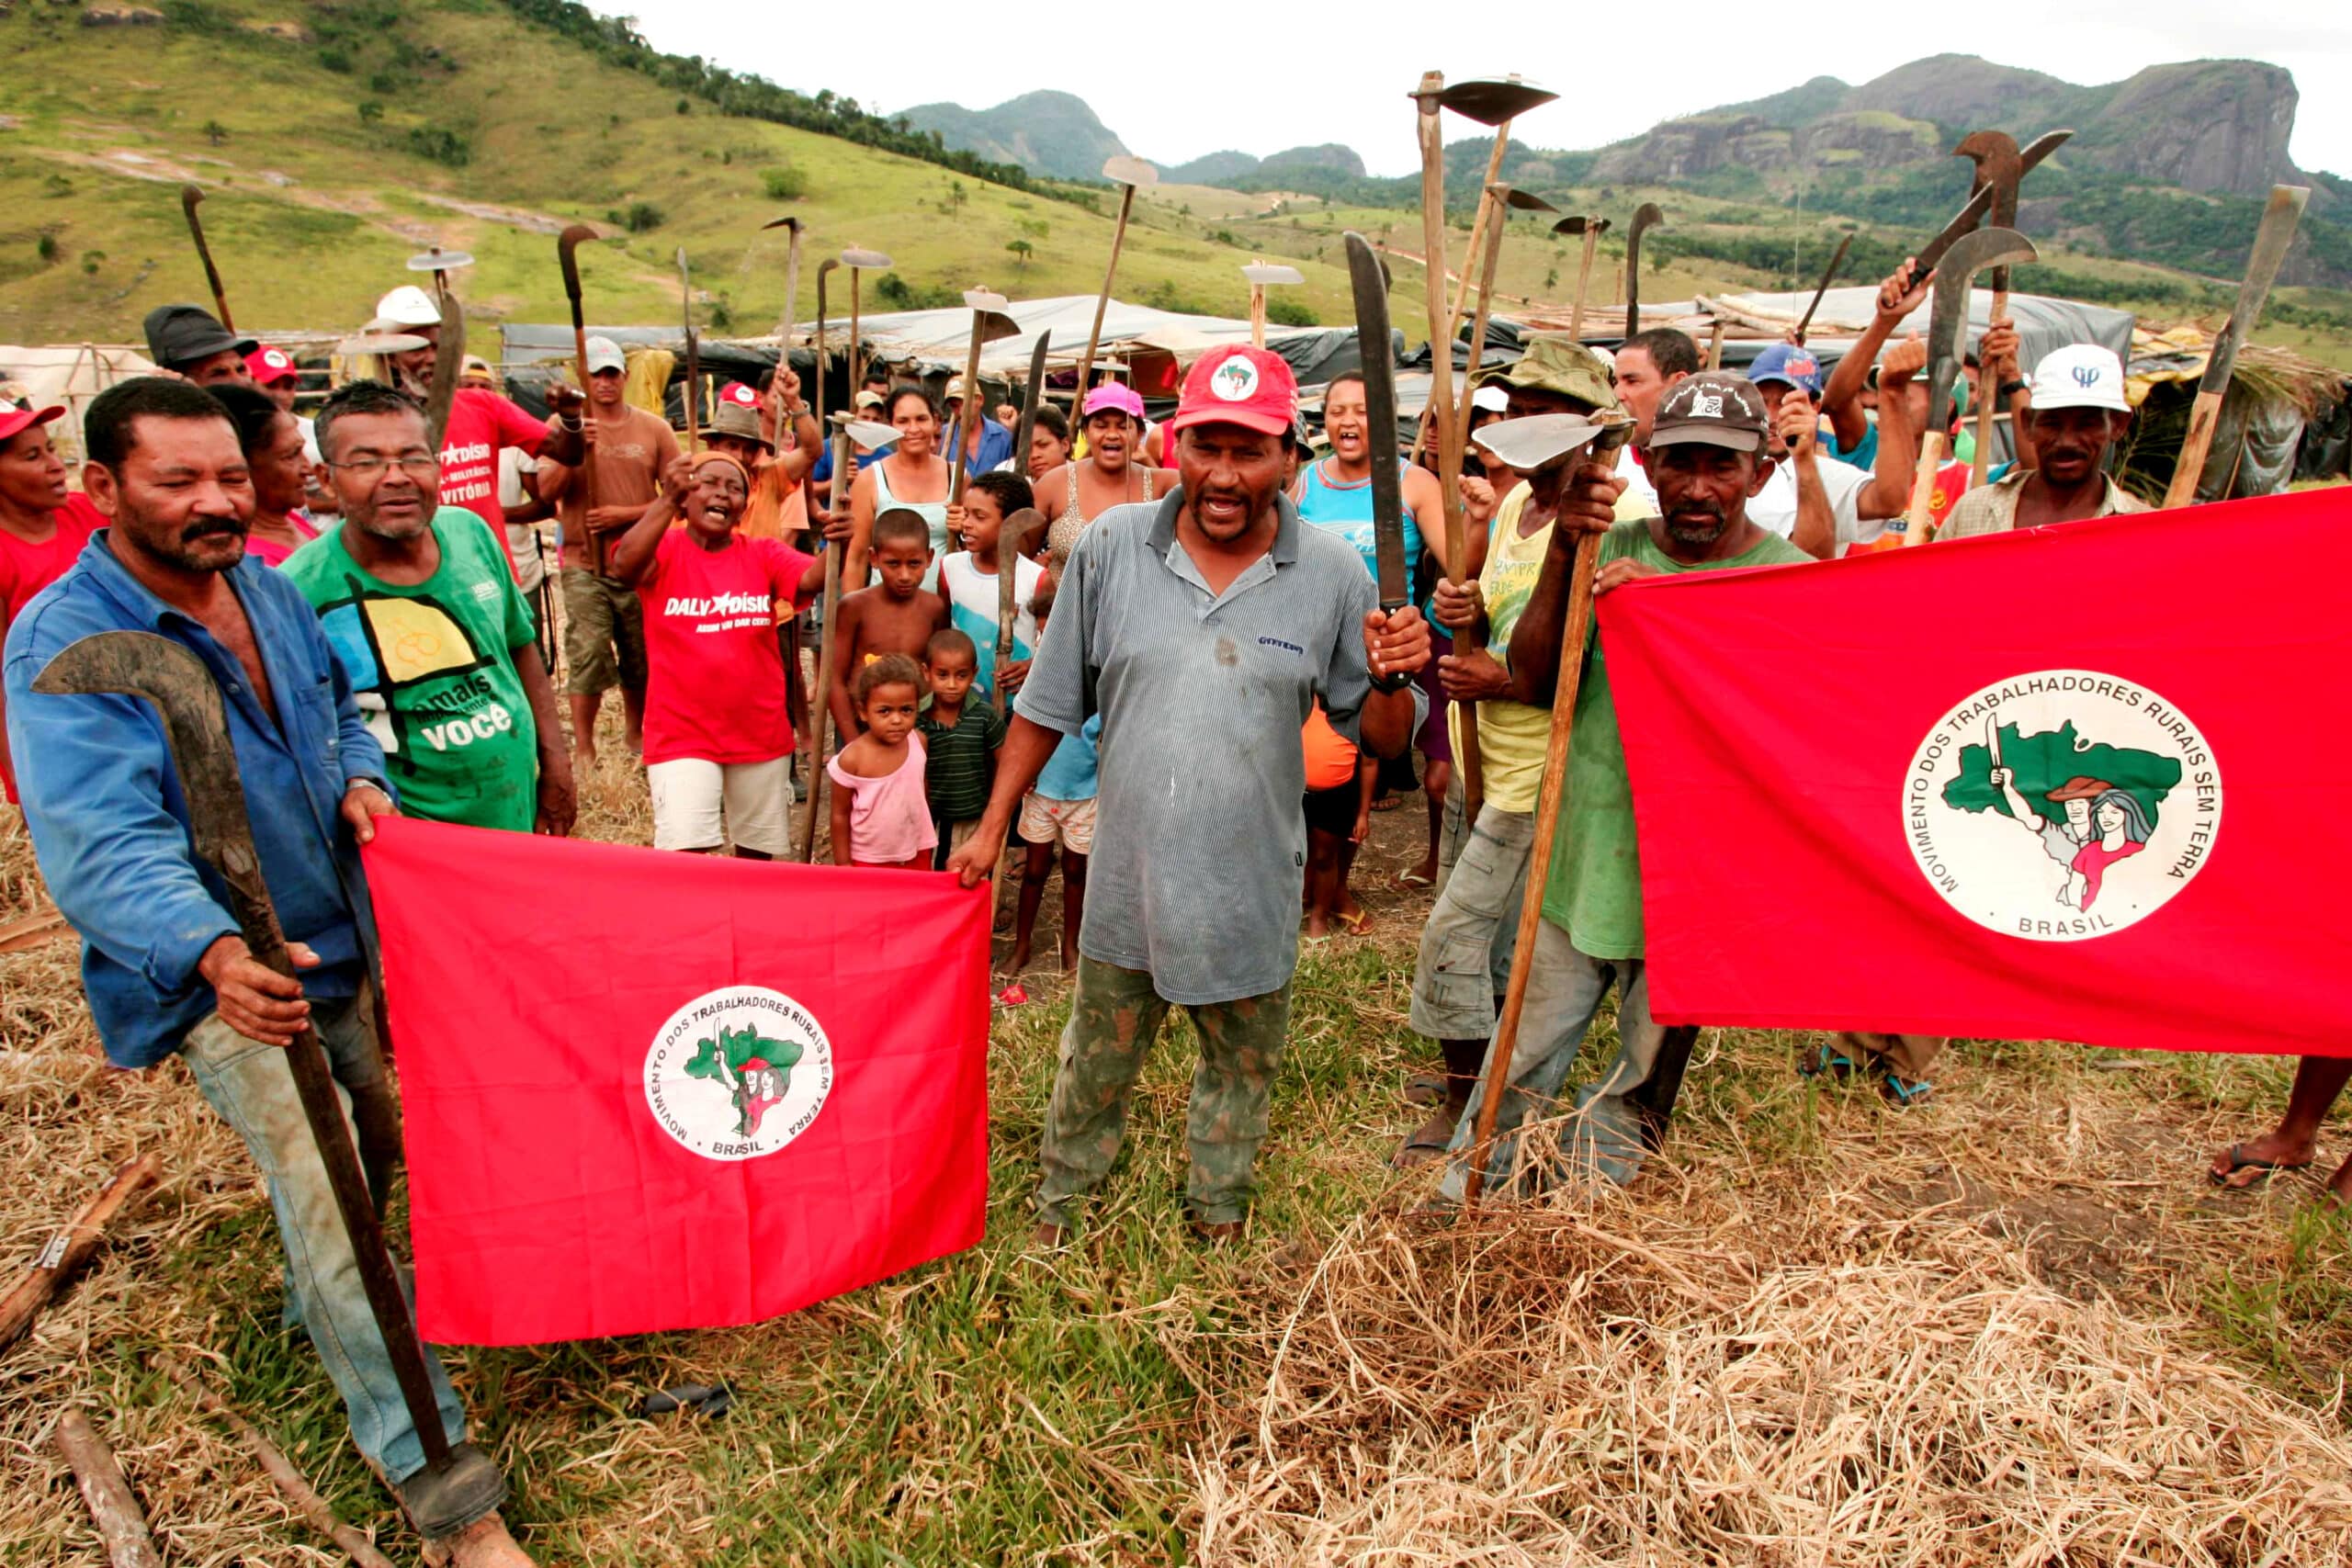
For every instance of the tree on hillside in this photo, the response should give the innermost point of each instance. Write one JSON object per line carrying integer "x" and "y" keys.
{"x": 215, "y": 133}
{"x": 1022, "y": 251}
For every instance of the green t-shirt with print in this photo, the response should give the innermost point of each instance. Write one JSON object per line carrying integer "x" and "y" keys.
{"x": 1594, "y": 892}
{"x": 433, "y": 667}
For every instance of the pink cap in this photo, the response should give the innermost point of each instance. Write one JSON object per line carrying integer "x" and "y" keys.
{"x": 1244, "y": 386}
{"x": 1115, "y": 397}
{"x": 267, "y": 365}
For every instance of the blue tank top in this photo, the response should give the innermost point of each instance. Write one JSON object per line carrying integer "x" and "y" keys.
{"x": 1346, "y": 510}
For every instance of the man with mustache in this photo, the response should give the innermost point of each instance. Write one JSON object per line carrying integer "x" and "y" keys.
{"x": 2079, "y": 412}
{"x": 1203, "y": 627}
{"x": 162, "y": 964}
{"x": 1707, "y": 458}
{"x": 439, "y": 644}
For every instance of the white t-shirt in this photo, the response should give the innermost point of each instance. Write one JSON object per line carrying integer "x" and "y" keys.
{"x": 972, "y": 603}
{"x": 1775, "y": 506}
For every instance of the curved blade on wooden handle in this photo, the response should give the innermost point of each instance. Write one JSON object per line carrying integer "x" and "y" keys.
{"x": 2270, "y": 241}
{"x": 1380, "y": 415}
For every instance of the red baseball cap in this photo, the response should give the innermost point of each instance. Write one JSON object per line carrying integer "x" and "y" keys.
{"x": 17, "y": 417}
{"x": 1240, "y": 385}
{"x": 267, "y": 363}
{"x": 738, "y": 394}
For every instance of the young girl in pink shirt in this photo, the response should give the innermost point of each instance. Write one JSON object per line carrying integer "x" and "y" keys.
{"x": 881, "y": 816}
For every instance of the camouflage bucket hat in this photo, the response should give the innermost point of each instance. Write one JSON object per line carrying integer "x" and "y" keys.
{"x": 1554, "y": 362}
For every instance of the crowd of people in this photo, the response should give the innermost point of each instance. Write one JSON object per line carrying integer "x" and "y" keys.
{"x": 1197, "y": 709}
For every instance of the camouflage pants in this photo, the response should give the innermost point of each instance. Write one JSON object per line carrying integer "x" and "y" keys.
{"x": 1114, "y": 1016}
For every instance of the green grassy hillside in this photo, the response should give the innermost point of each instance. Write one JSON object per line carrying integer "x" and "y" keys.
{"x": 329, "y": 159}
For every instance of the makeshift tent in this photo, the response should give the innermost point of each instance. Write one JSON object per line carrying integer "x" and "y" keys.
{"x": 535, "y": 354}
{"x": 2276, "y": 400}
{"x": 70, "y": 375}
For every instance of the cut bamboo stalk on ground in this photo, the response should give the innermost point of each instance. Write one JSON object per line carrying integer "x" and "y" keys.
{"x": 71, "y": 1247}
{"x": 114, "y": 1507}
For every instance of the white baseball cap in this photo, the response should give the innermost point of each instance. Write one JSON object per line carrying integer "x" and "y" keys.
{"x": 2080, "y": 376}
{"x": 409, "y": 305}
{"x": 603, "y": 353}
{"x": 1493, "y": 397}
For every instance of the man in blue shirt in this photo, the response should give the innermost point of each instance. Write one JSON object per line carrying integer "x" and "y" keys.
{"x": 163, "y": 962}
{"x": 994, "y": 442}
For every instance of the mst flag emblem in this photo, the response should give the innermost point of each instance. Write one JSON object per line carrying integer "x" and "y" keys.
{"x": 2061, "y": 805}
{"x": 738, "y": 1073}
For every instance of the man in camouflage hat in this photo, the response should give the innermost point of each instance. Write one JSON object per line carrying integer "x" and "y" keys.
{"x": 1706, "y": 456}
{"x": 1466, "y": 946}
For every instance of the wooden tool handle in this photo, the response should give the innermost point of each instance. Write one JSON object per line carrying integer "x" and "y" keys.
{"x": 2202, "y": 416}
{"x": 1441, "y": 403}
{"x": 820, "y": 715}
{"x": 1916, "y": 516}
{"x": 1576, "y": 627}
{"x": 1584, "y": 280}
{"x": 71, "y": 1247}
{"x": 1987, "y": 394}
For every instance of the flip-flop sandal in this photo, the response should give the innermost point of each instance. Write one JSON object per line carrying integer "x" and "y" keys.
{"x": 2263, "y": 1169}
{"x": 1425, "y": 1088}
{"x": 1905, "y": 1092}
{"x": 1388, "y": 803}
{"x": 1425, "y": 1144}
{"x": 1827, "y": 1062}
{"x": 1414, "y": 879}
{"x": 1357, "y": 924}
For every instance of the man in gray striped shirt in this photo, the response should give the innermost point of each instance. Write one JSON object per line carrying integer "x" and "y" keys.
{"x": 1203, "y": 628}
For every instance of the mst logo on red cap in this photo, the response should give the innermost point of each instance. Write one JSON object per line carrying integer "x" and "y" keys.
{"x": 1235, "y": 380}
{"x": 742, "y": 396}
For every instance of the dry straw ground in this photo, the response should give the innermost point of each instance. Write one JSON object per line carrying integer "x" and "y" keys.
{"x": 2012, "y": 1328}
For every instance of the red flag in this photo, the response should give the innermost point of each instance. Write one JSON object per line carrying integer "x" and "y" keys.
{"x": 2086, "y": 783}
{"x": 648, "y": 1090}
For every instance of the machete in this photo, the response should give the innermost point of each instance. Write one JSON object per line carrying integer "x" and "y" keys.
{"x": 1946, "y": 332}
{"x": 1827, "y": 275}
{"x": 1646, "y": 217}
{"x": 1372, "y": 347}
{"x": 1980, "y": 203}
{"x": 1009, "y": 554}
{"x": 190, "y": 195}
{"x": 2270, "y": 241}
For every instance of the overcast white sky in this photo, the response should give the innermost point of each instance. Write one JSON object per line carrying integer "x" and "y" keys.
{"x": 1175, "y": 82}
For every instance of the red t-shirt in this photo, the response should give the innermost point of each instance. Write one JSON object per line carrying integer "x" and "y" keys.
{"x": 713, "y": 674}
{"x": 25, "y": 569}
{"x": 479, "y": 424}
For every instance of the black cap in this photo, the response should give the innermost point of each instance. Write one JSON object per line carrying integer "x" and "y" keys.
{"x": 1714, "y": 408}
{"x": 182, "y": 335}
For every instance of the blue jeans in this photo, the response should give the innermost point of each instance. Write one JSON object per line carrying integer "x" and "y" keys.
{"x": 251, "y": 1086}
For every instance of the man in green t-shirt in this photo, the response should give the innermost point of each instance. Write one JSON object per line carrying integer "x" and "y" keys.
{"x": 422, "y": 609}
{"x": 1705, "y": 456}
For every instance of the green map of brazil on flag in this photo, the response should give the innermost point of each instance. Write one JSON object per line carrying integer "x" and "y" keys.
{"x": 645, "y": 1090}
{"x": 2086, "y": 783}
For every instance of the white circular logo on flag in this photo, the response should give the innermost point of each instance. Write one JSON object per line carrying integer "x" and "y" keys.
{"x": 1235, "y": 380}
{"x": 738, "y": 1072}
{"x": 2061, "y": 805}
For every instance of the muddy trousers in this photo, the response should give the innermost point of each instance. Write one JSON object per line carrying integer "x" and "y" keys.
{"x": 1619, "y": 1118}
{"x": 1114, "y": 1017}
{"x": 252, "y": 1089}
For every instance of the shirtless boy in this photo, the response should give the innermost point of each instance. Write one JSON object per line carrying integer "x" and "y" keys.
{"x": 897, "y": 614}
